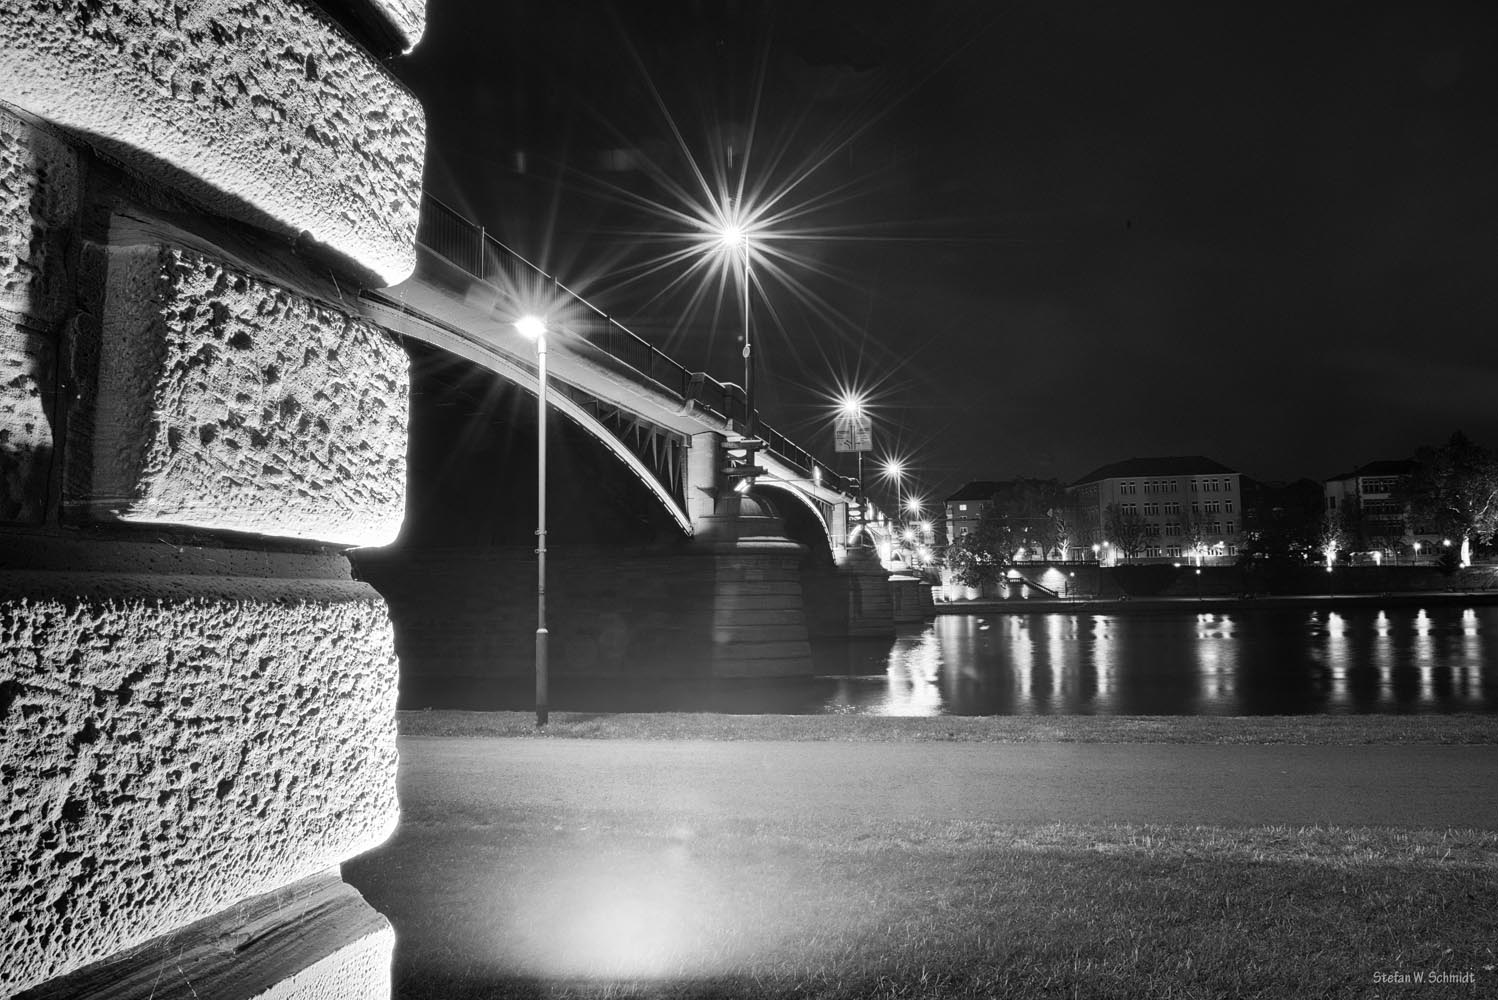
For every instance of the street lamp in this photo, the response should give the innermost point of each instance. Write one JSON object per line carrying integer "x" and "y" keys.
{"x": 894, "y": 470}
{"x": 850, "y": 407}
{"x": 733, "y": 237}
{"x": 534, "y": 328}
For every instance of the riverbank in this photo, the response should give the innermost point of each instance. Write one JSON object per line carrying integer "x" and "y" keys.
{"x": 1308, "y": 730}
{"x": 1216, "y": 604}
{"x": 558, "y": 867}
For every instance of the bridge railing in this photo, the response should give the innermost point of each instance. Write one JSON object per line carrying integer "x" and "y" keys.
{"x": 449, "y": 235}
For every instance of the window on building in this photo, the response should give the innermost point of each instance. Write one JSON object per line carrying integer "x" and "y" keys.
{"x": 1194, "y": 486}
{"x": 1227, "y": 506}
{"x": 962, "y": 506}
{"x": 1331, "y": 503}
{"x": 1152, "y": 507}
{"x": 1196, "y": 507}
{"x": 1230, "y": 527}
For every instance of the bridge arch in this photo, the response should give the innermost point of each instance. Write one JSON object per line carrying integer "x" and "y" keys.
{"x": 473, "y": 433}
{"x": 805, "y": 517}
{"x": 608, "y": 425}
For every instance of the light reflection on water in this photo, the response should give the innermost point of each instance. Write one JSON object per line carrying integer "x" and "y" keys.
{"x": 1244, "y": 662}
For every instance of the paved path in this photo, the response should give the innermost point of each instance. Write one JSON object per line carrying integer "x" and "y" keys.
{"x": 867, "y": 784}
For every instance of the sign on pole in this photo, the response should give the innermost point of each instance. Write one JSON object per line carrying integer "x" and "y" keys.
{"x": 853, "y": 432}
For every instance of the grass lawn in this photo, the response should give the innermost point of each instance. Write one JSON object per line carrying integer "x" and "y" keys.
{"x": 1321, "y": 730}
{"x": 575, "y": 903}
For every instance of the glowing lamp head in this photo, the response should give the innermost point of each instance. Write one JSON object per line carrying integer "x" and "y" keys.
{"x": 913, "y": 505}
{"x": 733, "y": 236}
{"x": 893, "y": 469}
{"x": 531, "y": 327}
{"x": 850, "y": 405}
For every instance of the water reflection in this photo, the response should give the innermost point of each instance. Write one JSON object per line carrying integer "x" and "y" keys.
{"x": 1255, "y": 662}
{"x": 1260, "y": 661}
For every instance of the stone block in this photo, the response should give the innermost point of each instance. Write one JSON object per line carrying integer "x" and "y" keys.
{"x": 407, "y": 16}
{"x": 262, "y": 110}
{"x": 314, "y": 940}
{"x": 172, "y": 745}
{"x": 26, "y": 367}
{"x": 225, "y": 402}
{"x": 39, "y": 196}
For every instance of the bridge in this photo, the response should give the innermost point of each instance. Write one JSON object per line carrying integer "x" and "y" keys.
{"x": 772, "y": 563}
{"x": 464, "y": 297}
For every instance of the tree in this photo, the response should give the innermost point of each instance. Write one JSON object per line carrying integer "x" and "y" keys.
{"x": 1054, "y": 532}
{"x": 981, "y": 555}
{"x": 1194, "y": 532}
{"x": 1126, "y": 529}
{"x": 1454, "y": 491}
{"x": 1024, "y": 514}
{"x": 1331, "y": 536}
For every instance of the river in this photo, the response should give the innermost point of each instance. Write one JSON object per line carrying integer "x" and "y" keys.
{"x": 1260, "y": 661}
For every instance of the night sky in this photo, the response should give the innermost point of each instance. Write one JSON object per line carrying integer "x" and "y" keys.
{"x": 1044, "y": 235}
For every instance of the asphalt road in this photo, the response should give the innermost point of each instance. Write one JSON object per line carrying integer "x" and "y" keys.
{"x": 845, "y": 785}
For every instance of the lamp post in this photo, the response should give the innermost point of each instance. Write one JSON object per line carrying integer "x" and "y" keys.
{"x": 851, "y": 409}
{"x": 534, "y": 328}
{"x": 733, "y": 237}
{"x": 894, "y": 470}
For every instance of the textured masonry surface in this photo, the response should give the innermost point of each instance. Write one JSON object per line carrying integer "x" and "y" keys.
{"x": 39, "y": 185}
{"x": 408, "y": 16}
{"x": 269, "y": 111}
{"x": 171, "y": 745}
{"x": 39, "y": 188}
{"x": 226, "y": 402}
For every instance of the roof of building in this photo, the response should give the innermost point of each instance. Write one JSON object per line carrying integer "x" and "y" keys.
{"x": 1388, "y": 467}
{"x": 978, "y": 489}
{"x": 1170, "y": 465}
{"x": 1382, "y": 467}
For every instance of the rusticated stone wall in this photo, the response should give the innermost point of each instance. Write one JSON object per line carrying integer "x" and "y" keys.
{"x": 196, "y": 697}
{"x": 38, "y": 206}
{"x": 227, "y": 402}
{"x": 266, "y": 111}
{"x": 177, "y": 744}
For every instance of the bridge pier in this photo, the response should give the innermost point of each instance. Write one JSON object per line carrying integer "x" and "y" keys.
{"x": 196, "y": 700}
{"x": 850, "y": 599}
{"x": 759, "y": 626}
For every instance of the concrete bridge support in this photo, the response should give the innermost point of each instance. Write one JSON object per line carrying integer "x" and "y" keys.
{"x": 196, "y": 697}
{"x": 759, "y": 613}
